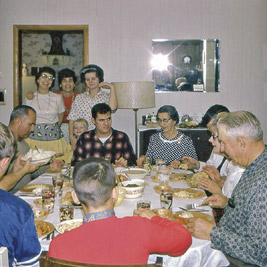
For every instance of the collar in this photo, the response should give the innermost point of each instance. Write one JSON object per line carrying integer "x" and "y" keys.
{"x": 98, "y": 215}
{"x": 178, "y": 138}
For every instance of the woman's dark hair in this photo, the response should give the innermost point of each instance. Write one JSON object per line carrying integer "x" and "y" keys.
{"x": 211, "y": 113}
{"x": 171, "y": 110}
{"x": 92, "y": 68}
{"x": 66, "y": 73}
{"x": 48, "y": 70}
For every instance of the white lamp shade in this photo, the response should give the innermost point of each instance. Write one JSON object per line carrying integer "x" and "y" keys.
{"x": 135, "y": 95}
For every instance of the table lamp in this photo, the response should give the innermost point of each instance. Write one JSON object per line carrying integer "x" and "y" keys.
{"x": 135, "y": 95}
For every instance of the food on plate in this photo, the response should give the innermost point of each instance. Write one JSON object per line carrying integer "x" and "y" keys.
{"x": 38, "y": 155}
{"x": 193, "y": 179}
{"x": 34, "y": 188}
{"x": 68, "y": 225}
{"x": 164, "y": 213}
{"x": 40, "y": 214}
{"x": 186, "y": 214}
{"x": 177, "y": 176}
{"x": 43, "y": 228}
{"x": 183, "y": 194}
{"x": 155, "y": 178}
{"x": 180, "y": 220}
{"x": 38, "y": 190}
{"x": 67, "y": 199}
{"x": 183, "y": 166}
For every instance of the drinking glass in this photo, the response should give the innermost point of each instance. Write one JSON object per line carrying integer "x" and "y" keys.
{"x": 58, "y": 181}
{"x": 160, "y": 163}
{"x": 145, "y": 204}
{"x": 166, "y": 199}
{"x": 48, "y": 199}
{"x": 164, "y": 174}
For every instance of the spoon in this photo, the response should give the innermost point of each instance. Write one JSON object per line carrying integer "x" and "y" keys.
{"x": 37, "y": 149}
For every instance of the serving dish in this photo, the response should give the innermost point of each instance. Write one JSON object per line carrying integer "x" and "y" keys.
{"x": 134, "y": 188}
{"x": 135, "y": 173}
{"x": 39, "y": 156}
{"x": 68, "y": 225}
{"x": 43, "y": 228}
{"x": 195, "y": 214}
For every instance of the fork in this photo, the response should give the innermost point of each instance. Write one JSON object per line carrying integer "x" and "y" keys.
{"x": 194, "y": 206}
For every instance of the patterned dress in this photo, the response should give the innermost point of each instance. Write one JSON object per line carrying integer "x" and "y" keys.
{"x": 170, "y": 149}
{"x": 242, "y": 233}
{"x": 82, "y": 105}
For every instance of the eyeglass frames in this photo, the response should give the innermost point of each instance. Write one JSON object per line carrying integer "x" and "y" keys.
{"x": 213, "y": 135}
{"x": 50, "y": 78}
{"x": 163, "y": 120}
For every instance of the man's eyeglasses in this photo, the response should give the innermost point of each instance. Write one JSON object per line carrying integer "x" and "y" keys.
{"x": 50, "y": 78}
{"x": 213, "y": 135}
{"x": 163, "y": 120}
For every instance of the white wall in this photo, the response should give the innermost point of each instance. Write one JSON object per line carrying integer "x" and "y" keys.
{"x": 120, "y": 34}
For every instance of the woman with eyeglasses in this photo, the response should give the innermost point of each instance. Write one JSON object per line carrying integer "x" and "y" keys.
{"x": 169, "y": 143}
{"x": 50, "y": 109}
{"x": 224, "y": 176}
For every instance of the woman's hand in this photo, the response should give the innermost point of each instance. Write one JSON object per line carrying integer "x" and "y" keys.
{"x": 140, "y": 161}
{"x": 106, "y": 85}
{"x": 209, "y": 185}
{"x": 175, "y": 164}
{"x": 213, "y": 173}
{"x": 190, "y": 162}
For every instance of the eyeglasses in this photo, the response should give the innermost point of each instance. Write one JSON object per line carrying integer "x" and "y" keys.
{"x": 213, "y": 135}
{"x": 163, "y": 120}
{"x": 50, "y": 78}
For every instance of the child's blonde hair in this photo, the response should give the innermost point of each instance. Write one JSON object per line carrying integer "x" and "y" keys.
{"x": 83, "y": 121}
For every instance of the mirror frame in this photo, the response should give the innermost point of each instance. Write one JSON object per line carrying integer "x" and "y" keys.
{"x": 17, "y": 50}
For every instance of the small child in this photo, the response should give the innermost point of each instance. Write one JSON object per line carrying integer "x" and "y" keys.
{"x": 79, "y": 126}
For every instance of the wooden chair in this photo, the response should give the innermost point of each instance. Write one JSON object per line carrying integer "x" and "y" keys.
{"x": 52, "y": 262}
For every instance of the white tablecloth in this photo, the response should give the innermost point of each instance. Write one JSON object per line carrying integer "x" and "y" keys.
{"x": 200, "y": 254}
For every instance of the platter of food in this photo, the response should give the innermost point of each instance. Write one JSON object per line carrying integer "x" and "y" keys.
{"x": 188, "y": 193}
{"x": 43, "y": 228}
{"x": 192, "y": 180}
{"x": 34, "y": 188}
{"x": 38, "y": 156}
{"x": 68, "y": 225}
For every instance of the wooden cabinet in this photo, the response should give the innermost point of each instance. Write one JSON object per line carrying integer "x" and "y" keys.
{"x": 199, "y": 136}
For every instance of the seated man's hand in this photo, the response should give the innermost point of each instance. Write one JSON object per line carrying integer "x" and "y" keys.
{"x": 175, "y": 164}
{"x": 209, "y": 185}
{"x": 213, "y": 173}
{"x": 190, "y": 162}
{"x": 199, "y": 228}
{"x": 216, "y": 200}
{"x": 140, "y": 161}
{"x": 144, "y": 213}
{"x": 121, "y": 162}
{"x": 56, "y": 164}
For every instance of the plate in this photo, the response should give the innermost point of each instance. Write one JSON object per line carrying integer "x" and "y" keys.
{"x": 43, "y": 228}
{"x": 188, "y": 193}
{"x": 38, "y": 157}
{"x": 196, "y": 214}
{"x": 68, "y": 225}
{"x": 29, "y": 189}
{"x": 40, "y": 214}
{"x": 178, "y": 177}
{"x": 159, "y": 188}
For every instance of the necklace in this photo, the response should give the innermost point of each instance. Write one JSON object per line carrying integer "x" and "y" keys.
{"x": 178, "y": 139}
{"x": 48, "y": 102}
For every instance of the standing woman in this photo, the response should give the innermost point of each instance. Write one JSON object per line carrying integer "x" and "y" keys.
{"x": 50, "y": 112}
{"x": 66, "y": 82}
{"x": 92, "y": 77}
{"x": 169, "y": 143}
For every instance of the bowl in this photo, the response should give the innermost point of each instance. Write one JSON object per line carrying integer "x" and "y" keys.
{"x": 135, "y": 173}
{"x": 122, "y": 193}
{"x": 134, "y": 188}
{"x": 163, "y": 213}
{"x": 38, "y": 157}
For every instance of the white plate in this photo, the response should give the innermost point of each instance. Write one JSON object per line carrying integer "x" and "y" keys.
{"x": 38, "y": 158}
{"x": 68, "y": 225}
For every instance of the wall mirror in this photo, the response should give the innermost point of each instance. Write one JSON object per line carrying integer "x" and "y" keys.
{"x": 186, "y": 65}
{"x": 57, "y": 46}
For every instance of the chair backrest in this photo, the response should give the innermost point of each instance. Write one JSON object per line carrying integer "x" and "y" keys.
{"x": 52, "y": 262}
{"x": 4, "y": 257}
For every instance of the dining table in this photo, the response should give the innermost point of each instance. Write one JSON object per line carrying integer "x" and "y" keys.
{"x": 200, "y": 253}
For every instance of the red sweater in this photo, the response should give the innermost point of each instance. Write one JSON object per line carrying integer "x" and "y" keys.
{"x": 121, "y": 241}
